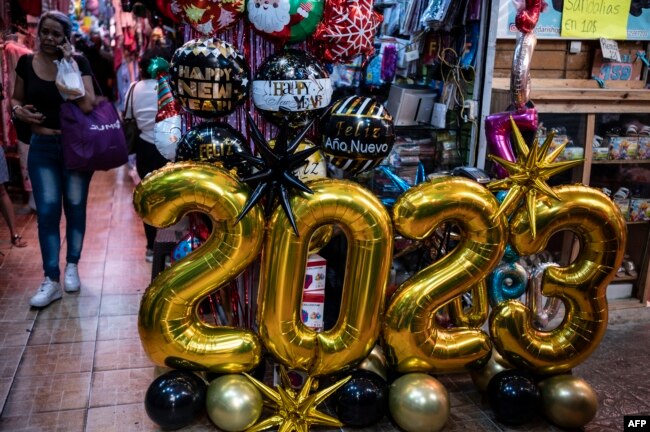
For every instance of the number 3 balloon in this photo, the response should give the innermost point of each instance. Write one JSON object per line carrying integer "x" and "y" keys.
{"x": 599, "y": 225}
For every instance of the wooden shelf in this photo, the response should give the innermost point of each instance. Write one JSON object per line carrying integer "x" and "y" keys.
{"x": 619, "y": 161}
{"x": 621, "y": 279}
{"x": 579, "y": 96}
{"x": 637, "y": 222}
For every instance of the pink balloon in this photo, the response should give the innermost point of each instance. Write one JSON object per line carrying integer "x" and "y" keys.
{"x": 498, "y": 129}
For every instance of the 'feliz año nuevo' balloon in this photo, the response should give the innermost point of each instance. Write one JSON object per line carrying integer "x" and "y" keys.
{"x": 358, "y": 134}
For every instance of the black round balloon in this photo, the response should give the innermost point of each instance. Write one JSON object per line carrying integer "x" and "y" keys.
{"x": 291, "y": 84}
{"x": 363, "y": 400}
{"x": 358, "y": 134}
{"x": 209, "y": 77}
{"x": 175, "y": 399}
{"x": 513, "y": 397}
{"x": 214, "y": 142}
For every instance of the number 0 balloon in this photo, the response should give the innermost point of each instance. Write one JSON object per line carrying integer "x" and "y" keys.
{"x": 368, "y": 229}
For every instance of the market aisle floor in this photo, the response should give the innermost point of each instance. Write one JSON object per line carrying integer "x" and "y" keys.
{"x": 78, "y": 365}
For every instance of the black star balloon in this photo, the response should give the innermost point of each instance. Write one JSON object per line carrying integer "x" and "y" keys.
{"x": 275, "y": 178}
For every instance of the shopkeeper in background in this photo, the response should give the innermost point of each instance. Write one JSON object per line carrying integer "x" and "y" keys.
{"x": 37, "y": 101}
{"x": 144, "y": 106}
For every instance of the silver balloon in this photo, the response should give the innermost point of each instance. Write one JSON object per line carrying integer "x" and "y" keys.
{"x": 544, "y": 308}
{"x": 233, "y": 402}
{"x": 418, "y": 403}
{"x": 520, "y": 74}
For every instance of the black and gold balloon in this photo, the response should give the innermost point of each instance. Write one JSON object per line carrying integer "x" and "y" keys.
{"x": 358, "y": 134}
{"x": 291, "y": 84}
{"x": 209, "y": 77}
{"x": 214, "y": 142}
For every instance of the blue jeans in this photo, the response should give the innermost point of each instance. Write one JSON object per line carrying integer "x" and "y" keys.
{"x": 54, "y": 188}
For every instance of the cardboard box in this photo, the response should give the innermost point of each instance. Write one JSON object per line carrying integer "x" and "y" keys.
{"x": 624, "y": 206}
{"x": 313, "y": 295}
{"x": 639, "y": 209}
{"x": 644, "y": 148}
{"x": 600, "y": 153}
{"x": 622, "y": 148}
{"x": 574, "y": 153}
{"x": 626, "y": 70}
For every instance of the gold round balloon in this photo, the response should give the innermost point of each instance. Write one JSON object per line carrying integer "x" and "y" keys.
{"x": 481, "y": 377}
{"x": 233, "y": 403}
{"x": 418, "y": 403}
{"x": 414, "y": 342}
{"x": 367, "y": 227}
{"x": 171, "y": 332}
{"x": 568, "y": 401}
{"x": 600, "y": 227}
{"x": 315, "y": 166}
{"x": 375, "y": 362}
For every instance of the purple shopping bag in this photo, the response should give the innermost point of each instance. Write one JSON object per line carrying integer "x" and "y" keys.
{"x": 93, "y": 141}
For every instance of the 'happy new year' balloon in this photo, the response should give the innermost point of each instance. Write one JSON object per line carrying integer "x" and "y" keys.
{"x": 209, "y": 77}
{"x": 292, "y": 84}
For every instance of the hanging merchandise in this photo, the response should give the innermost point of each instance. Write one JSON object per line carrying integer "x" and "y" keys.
{"x": 168, "y": 126}
{"x": 285, "y": 21}
{"x": 209, "y": 77}
{"x": 208, "y": 17}
{"x": 166, "y": 8}
{"x": 292, "y": 84}
{"x": 347, "y": 30}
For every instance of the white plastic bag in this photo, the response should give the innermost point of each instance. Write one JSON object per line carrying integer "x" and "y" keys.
{"x": 68, "y": 80}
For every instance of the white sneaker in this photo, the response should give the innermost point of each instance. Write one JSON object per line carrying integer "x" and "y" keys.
{"x": 71, "y": 282}
{"x": 48, "y": 292}
{"x": 148, "y": 256}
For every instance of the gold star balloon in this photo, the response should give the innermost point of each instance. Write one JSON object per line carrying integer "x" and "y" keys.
{"x": 528, "y": 175}
{"x": 295, "y": 411}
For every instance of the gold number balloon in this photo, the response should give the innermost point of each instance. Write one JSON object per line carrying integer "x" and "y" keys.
{"x": 414, "y": 341}
{"x": 477, "y": 313}
{"x": 367, "y": 226}
{"x": 171, "y": 332}
{"x": 601, "y": 229}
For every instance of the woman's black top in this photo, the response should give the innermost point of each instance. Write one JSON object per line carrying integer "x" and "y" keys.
{"x": 43, "y": 94}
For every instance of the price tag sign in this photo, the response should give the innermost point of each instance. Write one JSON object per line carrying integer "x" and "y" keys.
{"x": 610, "y": 49}
{"x": 593, "y": 19}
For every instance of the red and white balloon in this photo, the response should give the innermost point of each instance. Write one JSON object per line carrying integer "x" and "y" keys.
{"x": 209, "y": 16}
{"x": 347, "y": 30}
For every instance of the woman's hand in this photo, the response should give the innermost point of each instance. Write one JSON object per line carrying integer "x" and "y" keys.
{"x": 28, "y": 114}
{"x": 66, "y": 48}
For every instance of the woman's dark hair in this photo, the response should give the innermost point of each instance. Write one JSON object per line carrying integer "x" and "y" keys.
{"x": 59, "y": 17}
{"x": 149, "y": 55}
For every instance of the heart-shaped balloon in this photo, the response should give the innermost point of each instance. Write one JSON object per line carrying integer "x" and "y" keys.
{"x": 208, "y": 16}
{"x": 347, "y": 30}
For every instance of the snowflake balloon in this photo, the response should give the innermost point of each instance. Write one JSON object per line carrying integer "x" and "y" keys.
{"x": 347, "y": 30}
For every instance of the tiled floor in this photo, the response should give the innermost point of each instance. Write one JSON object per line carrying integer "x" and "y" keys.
{"x": 78, "y": 365}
